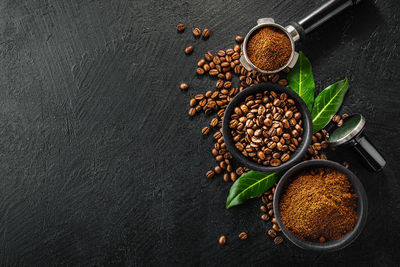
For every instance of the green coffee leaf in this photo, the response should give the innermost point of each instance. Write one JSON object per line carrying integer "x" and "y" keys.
{"x": 328, "y": 103}
{"x": 301, "y": 80}
{"x": 250, "y": 185}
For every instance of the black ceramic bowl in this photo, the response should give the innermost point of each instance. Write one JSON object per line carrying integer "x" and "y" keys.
{"x": 362, "y": 206}
{"x": 307, "y": 127}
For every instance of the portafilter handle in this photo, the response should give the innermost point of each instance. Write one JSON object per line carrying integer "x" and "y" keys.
{"x": 320, "y": 15}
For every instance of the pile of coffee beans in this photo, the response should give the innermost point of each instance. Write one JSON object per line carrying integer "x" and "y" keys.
{"x": 267, "y": 127}
{"x": 268, "y": 214}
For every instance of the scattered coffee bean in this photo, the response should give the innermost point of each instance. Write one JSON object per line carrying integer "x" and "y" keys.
{"x": 264, "y": 217}
{"x": 278, "y": 240}
{"x": 214, "y": 122}
{"x": 180, "y": 27}
{"x": 205, "y": 130}
{"x": 322, "y": 239}
{"x": 184, "y": 86}
{"x": 276, "y": 227}
{"x": 340, "y": 123}
{"x": 189, "y": 50}
{"x": 263, "y": 209}
{"x": 344, "y": 116}
{"x": 243, "y": 236}
{"x": 239, "y": 38}
{"x": 218, "y": 169}
{"x": 233, "y": 176}
{"x": 196, "y": 32}
{"x": 271, "y": 212}
{"x": 192, "y": 112}
{"x": 274, "y": 221}
{"x": 210, "y": 174}
{"x": 222, "y": 240}
{"x": 206, "y": 33}
{"x": 336, "y": 118}
{"x": 272, "y": 233}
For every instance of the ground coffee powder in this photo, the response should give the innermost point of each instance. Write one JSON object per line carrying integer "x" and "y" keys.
{"x": 319, "y": 205}
{"x": 269, "y": 48}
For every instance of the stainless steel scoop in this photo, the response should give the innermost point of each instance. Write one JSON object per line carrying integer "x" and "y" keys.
{"x": 296, "y": 31}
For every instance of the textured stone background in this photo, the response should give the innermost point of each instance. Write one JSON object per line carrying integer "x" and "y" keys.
{"x": 100, "y": 164}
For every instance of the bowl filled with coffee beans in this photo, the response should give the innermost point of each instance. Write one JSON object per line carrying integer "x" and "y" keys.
{"x": 267, "y": 127}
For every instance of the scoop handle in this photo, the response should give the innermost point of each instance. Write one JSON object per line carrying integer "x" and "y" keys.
{"x": 320, "y": 15}
{"x": 367, "y": 150}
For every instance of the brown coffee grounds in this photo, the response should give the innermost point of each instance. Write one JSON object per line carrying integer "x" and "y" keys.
{"x": 319, "y": 205}
{"x": 269, "y": 48}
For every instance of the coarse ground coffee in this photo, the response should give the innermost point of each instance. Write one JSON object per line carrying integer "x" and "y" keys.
{"x": 319, "y": 205}
{"x": 269, "y": 48}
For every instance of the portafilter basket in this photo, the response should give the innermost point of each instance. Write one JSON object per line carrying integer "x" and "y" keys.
{"x": 295, "y": 31}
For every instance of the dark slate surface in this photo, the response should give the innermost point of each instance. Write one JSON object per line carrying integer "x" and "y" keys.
{"x": 102, "y": 166}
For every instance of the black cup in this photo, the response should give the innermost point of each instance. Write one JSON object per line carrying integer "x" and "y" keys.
{"x": 307, "y": 127}
{"x": 362, "y": 206}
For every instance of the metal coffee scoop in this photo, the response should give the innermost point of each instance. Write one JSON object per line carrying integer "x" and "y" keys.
{"x": 296, "y": 31}
{"x": 351, "y": 134}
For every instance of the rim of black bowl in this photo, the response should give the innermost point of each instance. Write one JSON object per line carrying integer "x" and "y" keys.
{"x": 362, "y": 206}
{"x": 307, "y": 127}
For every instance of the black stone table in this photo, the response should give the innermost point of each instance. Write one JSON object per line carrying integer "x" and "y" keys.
{"x": 101, "y": 165}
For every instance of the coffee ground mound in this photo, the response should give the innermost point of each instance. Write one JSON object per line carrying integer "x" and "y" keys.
{"x": 269, "y": 48}
{"x": 319, "y": 205}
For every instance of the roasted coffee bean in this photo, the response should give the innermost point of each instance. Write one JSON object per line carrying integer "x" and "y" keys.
{"x": 208, "y": 56}
{"x": 263, "y": 209}
{"x": 272, "y": 233}
{"x": 184, "y": 86}
{"x": 233, "y": 176}
{"x": 239, "y": 171}
{"x": 213, "y": 72}
{"x": 271, "y": 212}
{"x": 340, "y": 123}
{"x": 205, "y": 130}
{"x": 200, "y": 71}
{"x": 192, "y": 112}
{"x": 206, "y": 33}
{"x": 264, "y": 217}
{"x": 189, "y": 50}
{"x": 270, "y": 205}
{"x": 210, "y": 174}
{"x": 344, "y": 116}
{"x": 276, "y": 227}
{"x": 274, "y": 220}
{"x": 278, "y": 240}
{"x": 214, "y": 152}
{"x": 218, "y": 169}
{"x": 239, "y": 38}
{"x": 221, "y": 53}
{"x": 196, "y": 32}
{"x": 214, "y": 122}
{"x": 222, "y": 240}
{"x": 220, "y": 84}
{"x": 180, "y": 27}
{"x": 193, "y": 102}
{"x": 336, "y": 118}
{"x": 226, "y": 177}
{"x": 243, "y": 236}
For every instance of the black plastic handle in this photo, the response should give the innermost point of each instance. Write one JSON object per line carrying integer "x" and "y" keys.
{"x": 320, "y": 15}
{"x": 368, "y": 151}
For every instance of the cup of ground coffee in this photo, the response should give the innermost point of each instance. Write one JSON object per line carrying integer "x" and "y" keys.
{"x": 320, "y": 205}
